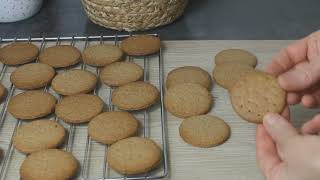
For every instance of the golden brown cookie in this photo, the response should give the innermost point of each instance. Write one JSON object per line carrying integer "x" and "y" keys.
{"x": 110, "y": 127}
{"x": 31, "y": 105}
{"x": 141, "y": 45}
{"x": 135, "y": 96}
{"x": 188, "y": 99}
{"x": 227, "y": 74}
{"x": 50, "y": 164}
{"x": 120, "y": 73}
{"x": 257, "y": 94}
{"x": 236, "y": 56}
{"x": 18, "y": 53}
{"x": 102, "y": 54}
{"x": 60, "y": 56}
{"x": 134, "y": 155}
{"x": 79, "y": 108}
{"x": 39, "y": 135}
{"x": 74, "y": 81}
{"x": 3, "y": 91}
{"x": 188, "y": 74}
{"x": 32, "y": 76}
{"x": 204, "y": 131}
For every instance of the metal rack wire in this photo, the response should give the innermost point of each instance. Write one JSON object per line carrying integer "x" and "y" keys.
{"x": 83, "y": 174}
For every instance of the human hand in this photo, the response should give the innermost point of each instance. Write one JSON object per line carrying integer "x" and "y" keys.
{"x": 298, "y": 69}
{"x": 283, "y": 153}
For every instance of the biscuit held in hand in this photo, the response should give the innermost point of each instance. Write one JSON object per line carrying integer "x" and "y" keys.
{"x": 257, "y": 94}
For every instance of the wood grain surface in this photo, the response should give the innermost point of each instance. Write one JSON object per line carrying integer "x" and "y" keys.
{"x": 234, "y": 160}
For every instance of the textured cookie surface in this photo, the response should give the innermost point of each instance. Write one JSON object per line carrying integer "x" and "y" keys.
{"x": 120, "y": 73}
{"x": 39, "y": 135}
{"x": 188, "y": 99}
{"x": 79, "y": 108}
{"x": 32, "y": 76}
{"x": 18, "y": 53}
{"x": 204, "y": 131}
{"x": 31, "y": 104}
{"x": 3, "y": 91}
{"x": 227, "y": 74}
{"x": 110, "y": 127}
{"x": 50, "y": 164}
{"x": 141, "y": 45}
{"x": 74, "y": 81}
{"x": 257, "y": 94}
{"x": 188, "y": 74}
{"x": 236, "y": 56}
{"x": 134, "y": 155}
{"x": 102, "y": 54}
{"x": 60, "y": 56}
{"x": 135, "y": 96}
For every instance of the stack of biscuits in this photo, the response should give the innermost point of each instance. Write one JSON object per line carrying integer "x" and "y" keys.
{"x": 253, "y": 93}
{"x": 40, "y": 138}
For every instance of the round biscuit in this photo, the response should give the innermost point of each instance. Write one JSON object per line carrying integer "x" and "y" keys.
{"x": 141, "y": 45}
{"x": 102, "y": 54}
{"x": 18, "y": 53}
{"x": 3, "y": 91}
{"x": 239, "y": 56}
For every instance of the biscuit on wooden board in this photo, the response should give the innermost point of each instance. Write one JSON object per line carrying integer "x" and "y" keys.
{"x": 188, "y": 74}
{"x": 188, "y": 99}
{"x": 39, "y": 135}
{"x": 110, "y": 127}
{"x": 101, "y": 54}
{"x": 31, "y": 105}
{"x": 135, "y": 96}
{"x": 50, "y": 164}
{"x": 32, "y": 76}
{"x": 74, "y": 81}
{"x": 134, "y": 155}
{"x": 121, "y": 73}
{"x": 236, "y": 56}
{"x": 60, "y": 56}
{"x": 257, "y": 94}
{"x": 227, "y": 74}
{"x": 204, "y": 131}
{"x": 18, "y": 53}
{"x": 79, "y": 108}
{"x": 141, "y": 45}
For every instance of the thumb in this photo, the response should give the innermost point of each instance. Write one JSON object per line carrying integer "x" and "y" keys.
{"x": 279, "y": 128}
{"x": 302, "y": 77}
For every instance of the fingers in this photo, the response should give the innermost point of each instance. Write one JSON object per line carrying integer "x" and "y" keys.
{"x": 302, "y": 77}
{"x": 312, "y": 126}
{"x": 279, "y": 128}
{"x": 267, "y": 156}
{"x": 286, "y": 113}
{"x": 309, "y": 101}
{"x": 293, "y": 98}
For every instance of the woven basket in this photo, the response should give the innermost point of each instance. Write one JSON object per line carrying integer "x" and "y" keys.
{"x": 133, "y": 15}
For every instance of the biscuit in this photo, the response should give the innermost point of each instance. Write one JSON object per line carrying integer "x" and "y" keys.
{"x": 257, "y": 94}
{"x": 50, "y": 164}
{"x": 79, "y": 108}
{"x": 3, "y": 91}
{"x": 204, "y": 131}
{"x": 120, "y": 73}
{"x": 39, "y": 135}
{"x": 110, "y": 127}
{"x": 101, "y": 54}
{"x": 188, "y": 74}
{"x": 74, "y": 81}
{"x": 135, "y": 96}
{"x": 141, "y": 45}
{"x": 236, "y": 56}
{"x": 227, "y": 74}
{"x": 18, "y": 53}
{"x": 60, "y": 56}
{"x": 134, "y": 155}
{"x": 32, "y": 76}
{"x": 239, "y": 56}
{"x": 31, "y": 105}
{"x": 188, "y": 99}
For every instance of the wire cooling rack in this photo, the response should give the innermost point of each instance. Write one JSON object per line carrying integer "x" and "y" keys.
{"x": 91, "y": 155}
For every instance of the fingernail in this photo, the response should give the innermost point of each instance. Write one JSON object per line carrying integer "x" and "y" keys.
{"x": 270, "y": 118}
